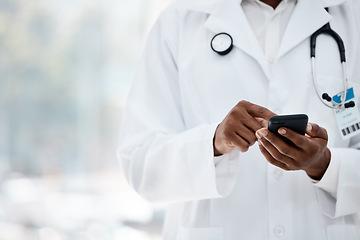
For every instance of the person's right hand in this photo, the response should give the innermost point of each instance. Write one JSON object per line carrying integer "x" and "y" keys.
{"x": 239, "y": 127}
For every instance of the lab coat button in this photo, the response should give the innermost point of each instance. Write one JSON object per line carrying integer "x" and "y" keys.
{"x": 277, "y": 173}
{"x": 279, "y": 231}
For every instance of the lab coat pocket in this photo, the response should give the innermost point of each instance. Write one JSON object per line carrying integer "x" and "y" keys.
{"x": 201, "y": 234}
{"x": 348, "y": 232}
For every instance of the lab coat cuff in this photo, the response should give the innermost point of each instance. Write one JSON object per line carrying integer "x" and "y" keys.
{"x": 329, "y": 182}
{"x": 226, "y": 169}
{"x": 217, "y": 159}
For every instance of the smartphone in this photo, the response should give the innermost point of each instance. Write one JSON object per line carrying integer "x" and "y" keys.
{"x": 296, "y": 122}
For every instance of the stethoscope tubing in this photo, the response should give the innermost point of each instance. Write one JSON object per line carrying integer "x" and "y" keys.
{"x": 326, "y": 29}
{"x": 226, "y": 45}
{"x": 345, "y": 82}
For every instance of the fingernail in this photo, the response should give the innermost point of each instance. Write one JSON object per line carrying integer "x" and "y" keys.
{"x": 262, "y": 133}
{"x": 309, "y": 127}
{"x": 282, "y": 131}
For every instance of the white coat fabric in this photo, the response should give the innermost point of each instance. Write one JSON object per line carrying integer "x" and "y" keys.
{"x": 183, "y": 90}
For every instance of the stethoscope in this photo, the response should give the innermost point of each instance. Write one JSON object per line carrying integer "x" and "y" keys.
{"x": 222, "y": 44}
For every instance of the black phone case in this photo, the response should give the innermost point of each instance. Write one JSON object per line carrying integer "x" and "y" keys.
{"x": 296, "y": 122}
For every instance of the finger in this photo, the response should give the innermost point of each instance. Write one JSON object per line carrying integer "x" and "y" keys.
{"x": 246, "y": 134}
{"x": 285, "y": 149}
{"x": 274, "y": 152}
{"x": 270, "y": 159}
{"x": 242, "y": 117}
{"x": 263, "y": 122}
{"x": 252, "y": 123}
{"x": 259, "y": 111}
{"x": 297, "y": 139}
{"x": 315, "y": 131}
{"x": 240, "y": 143}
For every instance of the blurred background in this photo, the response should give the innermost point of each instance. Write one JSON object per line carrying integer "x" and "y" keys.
{"x": 65, "y": 70}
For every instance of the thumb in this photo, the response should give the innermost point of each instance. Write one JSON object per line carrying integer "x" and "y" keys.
{"x": 315, "y": 131}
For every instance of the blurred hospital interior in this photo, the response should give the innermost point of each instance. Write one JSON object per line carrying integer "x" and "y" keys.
{"x": 65, "y": 70}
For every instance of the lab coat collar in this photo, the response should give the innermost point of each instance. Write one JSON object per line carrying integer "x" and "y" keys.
{"x": 228, "y": 16}
{"x": 299, "y": 28}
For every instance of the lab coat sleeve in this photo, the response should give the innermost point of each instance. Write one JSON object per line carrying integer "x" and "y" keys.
{"x": 163, "y": 160}
{"x": 329, "y": 181}
{"x": 345, "y": 200}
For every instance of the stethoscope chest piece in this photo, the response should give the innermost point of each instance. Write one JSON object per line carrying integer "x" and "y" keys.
{"x": 222, "y": 43}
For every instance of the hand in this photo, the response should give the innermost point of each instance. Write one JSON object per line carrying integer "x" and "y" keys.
{"x": 239, "y": 127}
{"x": 309, "y": 153}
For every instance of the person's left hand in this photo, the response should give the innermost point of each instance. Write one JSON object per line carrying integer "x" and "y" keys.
{"x": 309, "y": 153}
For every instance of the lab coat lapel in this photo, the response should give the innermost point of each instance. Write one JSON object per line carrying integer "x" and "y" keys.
{"x": 308, "y": 17}
{"x": 229, "y": 17}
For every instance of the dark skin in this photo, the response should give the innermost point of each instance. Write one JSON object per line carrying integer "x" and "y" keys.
{"x": 309, "y": 153}
{"x": 272, "y": 3}
{"x": 246, "y": 123}
{"x": 239, "y": 127}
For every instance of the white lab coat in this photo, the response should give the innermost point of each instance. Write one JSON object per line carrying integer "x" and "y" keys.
{"x": 183, "y": 90}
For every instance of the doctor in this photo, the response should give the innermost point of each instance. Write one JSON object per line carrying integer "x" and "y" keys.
{"x": 193, "y": 133}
